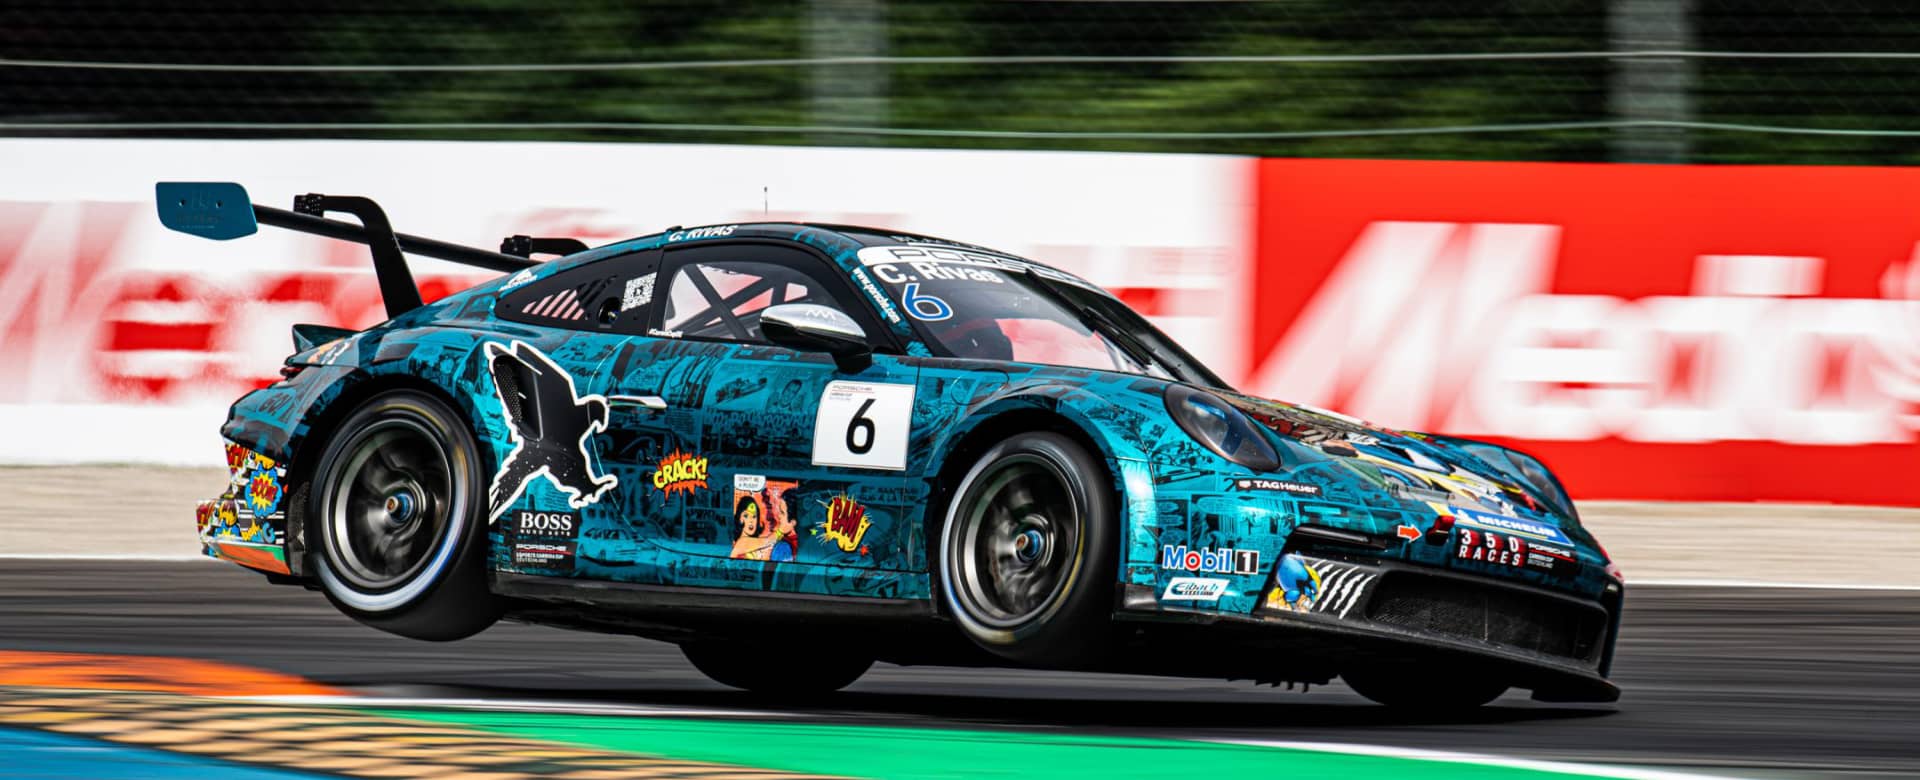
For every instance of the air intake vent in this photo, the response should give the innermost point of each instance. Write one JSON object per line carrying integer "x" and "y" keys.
{"x": 514, "y": 397}
{"x": 1501, "y": 616}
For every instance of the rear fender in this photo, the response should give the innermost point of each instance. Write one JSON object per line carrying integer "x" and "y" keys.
{"x": 291, "y": 421}
{"x": 274, "y": 420}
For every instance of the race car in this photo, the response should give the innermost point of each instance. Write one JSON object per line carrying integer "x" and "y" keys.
{"x": 796, "y": 449}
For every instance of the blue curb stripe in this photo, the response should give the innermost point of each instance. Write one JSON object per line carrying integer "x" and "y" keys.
{"x": 39, "y": 755}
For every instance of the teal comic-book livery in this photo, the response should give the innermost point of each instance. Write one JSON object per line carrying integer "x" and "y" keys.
{"x": 795, "y": 449}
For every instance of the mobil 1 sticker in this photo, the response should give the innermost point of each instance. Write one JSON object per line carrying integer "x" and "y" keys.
{"x": 863, "y": 425}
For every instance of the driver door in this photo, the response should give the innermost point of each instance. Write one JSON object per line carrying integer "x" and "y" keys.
{"x": 768, "y": 468}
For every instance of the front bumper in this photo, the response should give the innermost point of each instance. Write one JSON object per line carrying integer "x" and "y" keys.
{"x": 1326, "y": 614}
{"x": 247, "y": 524}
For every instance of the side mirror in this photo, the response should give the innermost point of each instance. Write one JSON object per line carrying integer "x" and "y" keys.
{"x": 814, "y": 328}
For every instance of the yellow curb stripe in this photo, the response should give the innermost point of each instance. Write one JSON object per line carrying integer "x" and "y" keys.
{"x": 338, "y": 741}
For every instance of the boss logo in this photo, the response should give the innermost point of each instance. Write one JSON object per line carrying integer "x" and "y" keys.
{"x": 546, "y": 523}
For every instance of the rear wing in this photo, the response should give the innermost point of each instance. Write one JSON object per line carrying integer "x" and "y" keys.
{"x": 221, "y": 211}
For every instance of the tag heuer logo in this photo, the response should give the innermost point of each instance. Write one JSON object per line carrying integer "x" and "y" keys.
{"x": 1282, "y": 485}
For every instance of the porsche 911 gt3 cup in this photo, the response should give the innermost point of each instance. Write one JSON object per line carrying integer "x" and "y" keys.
{"x": 795, "y": 449}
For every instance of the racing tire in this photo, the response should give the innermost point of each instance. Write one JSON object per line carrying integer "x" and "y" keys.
{"x": 1028, "y": 551}
{"x": 398, "y": 522}
{"x": 1424, "y": 689}
{"x": 786, "y": 672}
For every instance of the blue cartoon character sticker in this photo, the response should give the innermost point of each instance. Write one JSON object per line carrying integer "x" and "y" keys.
{"x": 1316, "y": 585}
{"x": 1296, "y": 585}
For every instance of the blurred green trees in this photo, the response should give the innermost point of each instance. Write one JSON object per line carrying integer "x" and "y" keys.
{"x": 970, "y": 104}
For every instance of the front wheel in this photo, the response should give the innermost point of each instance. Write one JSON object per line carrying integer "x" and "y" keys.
{"x": 1027, "y": 552}
{"x": 1427, "y": 689}
{"x": 775, "y": 671}
{"x": 398, "y": 523}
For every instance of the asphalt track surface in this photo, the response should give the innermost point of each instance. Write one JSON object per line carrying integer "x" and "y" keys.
{"x": 1762, "y": 682}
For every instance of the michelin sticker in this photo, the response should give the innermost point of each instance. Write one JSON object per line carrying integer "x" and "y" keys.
{"x": 1529, "y": 529}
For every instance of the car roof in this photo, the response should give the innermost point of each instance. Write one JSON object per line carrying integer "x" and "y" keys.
{"x": 834, "y": 239}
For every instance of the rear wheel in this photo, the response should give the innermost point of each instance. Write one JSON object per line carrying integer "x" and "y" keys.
{"x": 1425, "y": 688}
{"x": 1027, "y": 553}
{"x": 772, "y": 671}
{"x": 397, "y": 523}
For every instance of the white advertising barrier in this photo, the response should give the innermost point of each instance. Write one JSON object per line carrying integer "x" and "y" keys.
{"x": 123, "y": 342}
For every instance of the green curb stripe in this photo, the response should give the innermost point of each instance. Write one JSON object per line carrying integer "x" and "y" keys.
{"x": 915, "y": 754}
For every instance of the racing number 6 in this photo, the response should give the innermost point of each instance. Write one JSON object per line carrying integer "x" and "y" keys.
{"x": 863, "y": 425}
{"x": 860, "y": 422}
{"x": 926, "y": 308}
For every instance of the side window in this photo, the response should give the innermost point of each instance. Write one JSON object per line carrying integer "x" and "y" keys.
{"x": 722, "y": 298}
{"x": 611, "y": 295}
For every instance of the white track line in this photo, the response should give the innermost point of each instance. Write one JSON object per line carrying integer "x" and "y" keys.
{"x": 648, "y": 711}
{"x": 1479, "y": 759}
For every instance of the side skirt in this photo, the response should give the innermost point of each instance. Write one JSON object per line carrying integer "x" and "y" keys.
{"x": 714, "y": 602}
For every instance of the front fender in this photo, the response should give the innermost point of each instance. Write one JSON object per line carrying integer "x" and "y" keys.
{"x": 1126, "y": 427}
{"x": 1104, "y": 423}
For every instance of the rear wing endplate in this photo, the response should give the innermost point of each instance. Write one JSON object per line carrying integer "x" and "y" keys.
{"x": 221, "y": 211}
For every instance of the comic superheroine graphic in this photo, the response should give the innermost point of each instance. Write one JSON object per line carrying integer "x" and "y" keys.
{"x": 763, "y": 527}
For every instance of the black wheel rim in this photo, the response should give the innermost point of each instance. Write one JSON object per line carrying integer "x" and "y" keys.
{"x": 389, "y": 506}
{"x": 1018, "y": 543}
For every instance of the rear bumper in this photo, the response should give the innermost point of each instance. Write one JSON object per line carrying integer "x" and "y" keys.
{"x": 1383, "y": 612}
{"x": 247, "y": 524}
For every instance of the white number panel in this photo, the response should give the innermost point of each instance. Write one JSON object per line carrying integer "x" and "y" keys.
{"x": 863, "y": 425}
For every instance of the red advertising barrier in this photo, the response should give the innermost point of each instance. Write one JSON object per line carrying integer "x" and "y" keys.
{"x": 81, "y": 321}
{"x": 1652, "y": 332}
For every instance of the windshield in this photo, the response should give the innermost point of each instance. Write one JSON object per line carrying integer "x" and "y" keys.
{"x": 980, "y": 306}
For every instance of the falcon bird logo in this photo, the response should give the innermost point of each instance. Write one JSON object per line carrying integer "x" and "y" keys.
{"x": 549, "y": 425}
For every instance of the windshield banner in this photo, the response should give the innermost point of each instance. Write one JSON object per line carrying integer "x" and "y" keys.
{"x": 934, "y": 261}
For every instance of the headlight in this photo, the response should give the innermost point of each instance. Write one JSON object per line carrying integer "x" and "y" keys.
{"x": 1221, "y": 428}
